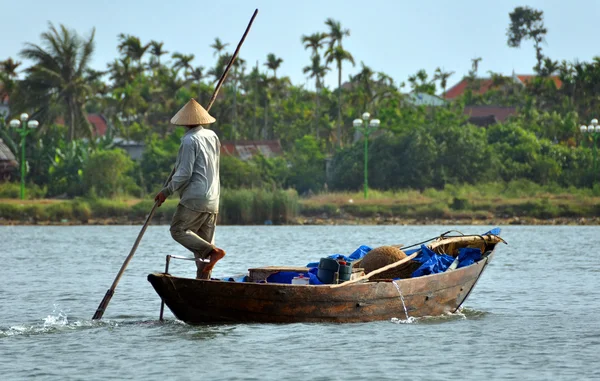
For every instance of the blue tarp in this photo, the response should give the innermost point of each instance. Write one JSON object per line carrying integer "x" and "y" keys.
{"x": 431, "y": 263}
{"x": 467, "y": 256}
{"x": 287, "y": 276}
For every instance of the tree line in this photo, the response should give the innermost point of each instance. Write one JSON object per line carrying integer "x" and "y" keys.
{"x": 417, "y": 146}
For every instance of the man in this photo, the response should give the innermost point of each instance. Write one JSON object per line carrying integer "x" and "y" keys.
{"x": 196, "y": 178}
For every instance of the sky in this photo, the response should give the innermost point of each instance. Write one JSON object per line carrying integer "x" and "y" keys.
{"x": 397, "y": 37}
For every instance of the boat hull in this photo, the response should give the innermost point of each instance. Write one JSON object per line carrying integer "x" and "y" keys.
{"x": 196, "y": 301}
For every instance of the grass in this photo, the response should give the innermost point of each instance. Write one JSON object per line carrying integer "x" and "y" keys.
{"x": 501, "y": 200}
{"x": 237, "y": 207}
{"x": 258, "y": 206}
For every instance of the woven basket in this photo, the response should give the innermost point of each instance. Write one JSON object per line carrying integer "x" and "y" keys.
{"x": 386, "y": 255}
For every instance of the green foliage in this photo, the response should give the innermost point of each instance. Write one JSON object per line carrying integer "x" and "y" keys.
{"x": 158, "y": 160}
{"x": 236, "y": 173}
{"x": 417, "y": 147}
{"x": 307, "y": 166}
{"x": 13, "y": 190}
{"x": 106, "y": 173}
{"x": 66, "y": 168}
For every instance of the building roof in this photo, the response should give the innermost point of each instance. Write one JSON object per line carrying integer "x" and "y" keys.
{"x": 424, "y": 99}
{"x": 459, "y": 89}
{"x": 483, "y": 121}
{"x": 526, "y": 78}
{"x": 8, "y": 161}
{"x": 481, "y": 115}
{"x": 5, "y": 152}
{"x": 98, "y": 121}
{"x": 246, "y": 149}
{"x": 485, "y": 84}
{"x": 3, "y": 96}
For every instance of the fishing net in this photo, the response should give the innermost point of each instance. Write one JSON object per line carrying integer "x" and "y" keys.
{"x": 386, "y": 255}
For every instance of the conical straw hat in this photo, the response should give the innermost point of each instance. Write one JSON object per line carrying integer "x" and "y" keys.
{"x": 192, "y": 114}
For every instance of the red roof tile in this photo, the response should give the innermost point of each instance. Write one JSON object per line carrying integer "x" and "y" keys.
{"x": 245, "y": 149}
{"x": 98, "y": 123}
{"x": 460, "y": 88}
{"x": 527, "y": 78}
{"x": 486, "y": 84}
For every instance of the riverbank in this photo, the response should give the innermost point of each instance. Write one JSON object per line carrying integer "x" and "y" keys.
{"x": 326, "y": 209}
{"x": 337, "y": 221}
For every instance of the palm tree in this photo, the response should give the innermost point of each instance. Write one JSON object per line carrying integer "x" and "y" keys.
{"x": 156, "y": 49}
{"x": 8, "y": 74}
{"x": 420, "y": 82}
{"x": 132, "y": 47}
{"x": 218, "y": 46}
{"x": 183, "y": 61}
{"x": 273, "y": 63}
{"x": 366, "y": 91}
{"x": 220, "y": 66}
{"x": 9, "y": 68}
{"x": 317, "y": 71}
{"x": 336, "y": 32}
{"x": 239, "y": 67}
{"x": 549, "y": 68}
{"x": 339, "y": 55}
{"x": 315, "y": 42}
{"x": 442, "y": 76}
{"x": 121, "y": 71}
{"x": 197, "y": 75}
{"x": 59, "y": 77}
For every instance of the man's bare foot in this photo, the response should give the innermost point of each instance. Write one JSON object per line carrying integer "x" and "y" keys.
{"x": 203, "y": 275}
{"x": 215, "y": 255}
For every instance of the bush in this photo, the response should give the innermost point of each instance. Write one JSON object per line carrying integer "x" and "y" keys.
{"x": 13, "y": 190}
{"x": 106, "y": 173}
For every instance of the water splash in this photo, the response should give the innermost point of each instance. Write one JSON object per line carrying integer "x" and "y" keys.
{"x": 56, "y": 319}
{"x": 408, "y": 318}
{"x": 56, "y": 322}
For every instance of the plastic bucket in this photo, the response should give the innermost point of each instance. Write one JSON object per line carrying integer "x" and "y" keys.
{"x": 327, "y": 269}
{"x": 345, "y": 272}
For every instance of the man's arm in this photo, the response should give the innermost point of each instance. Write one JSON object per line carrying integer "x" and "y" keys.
{"x": 183, "y": 172}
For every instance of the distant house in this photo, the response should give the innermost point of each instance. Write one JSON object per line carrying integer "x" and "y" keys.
{"x": 486, "y": 84}
{"x": 98, "y": 122}
{"x": 8, "y": 162}
{"x": 424, "y": 99}
{"x": 4, "y": 109}
{"x": 246, "y": 149}
{"x": 133, "y": 148}
{"x": 487, "y": 115}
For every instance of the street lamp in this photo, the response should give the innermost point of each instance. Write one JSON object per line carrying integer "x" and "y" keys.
{"x": 594, "y": 131}
{"x": 366, "y": 127}
{"x": 23, "y": 131}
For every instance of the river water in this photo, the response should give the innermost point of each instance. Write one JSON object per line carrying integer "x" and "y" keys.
{"x": 534, "y": 314}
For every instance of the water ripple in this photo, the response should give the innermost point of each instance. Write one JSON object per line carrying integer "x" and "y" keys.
{"x": 533, "y": 314}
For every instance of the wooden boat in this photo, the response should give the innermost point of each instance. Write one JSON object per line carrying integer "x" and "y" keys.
{"x": 196, "y": 301}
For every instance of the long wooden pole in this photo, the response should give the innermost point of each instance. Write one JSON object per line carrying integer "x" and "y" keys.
{"x": 111, "y": 291}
